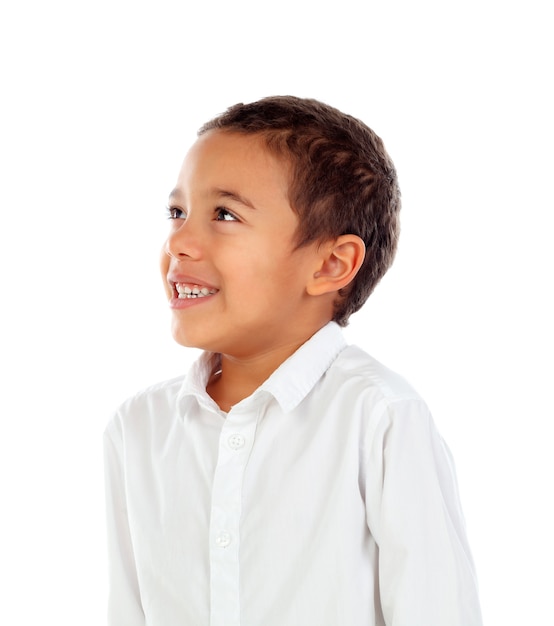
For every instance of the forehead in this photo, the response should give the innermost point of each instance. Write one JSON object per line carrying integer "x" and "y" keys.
{"x": 224, "y": 158}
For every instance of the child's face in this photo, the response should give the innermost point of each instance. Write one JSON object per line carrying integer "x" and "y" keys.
{"x": 232, "y": 238}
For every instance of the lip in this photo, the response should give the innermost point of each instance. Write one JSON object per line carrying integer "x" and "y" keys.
{"x": 184, "y": 303}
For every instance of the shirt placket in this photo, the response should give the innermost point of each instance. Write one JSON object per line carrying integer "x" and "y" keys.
{"x": 235, "y": 444}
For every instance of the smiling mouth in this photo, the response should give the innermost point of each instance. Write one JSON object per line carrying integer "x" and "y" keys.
{"x": 189, "y": 291}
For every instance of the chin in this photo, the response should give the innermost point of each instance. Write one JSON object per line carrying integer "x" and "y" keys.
{"x": 183, "y": 339}
{"x": 189, "y": 339}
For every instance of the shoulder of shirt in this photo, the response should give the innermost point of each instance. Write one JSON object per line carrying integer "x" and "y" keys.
{"x": 368, "y": 374}
{"x": 160, "y": 394}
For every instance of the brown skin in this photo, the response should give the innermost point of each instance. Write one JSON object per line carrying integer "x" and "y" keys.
{"x": 234, "y": 232}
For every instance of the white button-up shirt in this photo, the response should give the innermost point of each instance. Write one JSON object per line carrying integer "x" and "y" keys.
{"x": 326, "y": 498}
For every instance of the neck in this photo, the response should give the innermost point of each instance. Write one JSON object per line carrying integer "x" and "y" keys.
{"x": 239, "y": 378}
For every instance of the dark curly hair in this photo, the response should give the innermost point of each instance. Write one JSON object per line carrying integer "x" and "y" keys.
{"x": 342, "y": 180}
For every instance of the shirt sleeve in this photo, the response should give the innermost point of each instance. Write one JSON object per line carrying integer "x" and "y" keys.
{"x": 426, "y": 572}
{"x": 124, "y": 603}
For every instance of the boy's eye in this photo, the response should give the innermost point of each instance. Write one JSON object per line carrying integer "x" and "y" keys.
{"x": 173, "y": 213}
{"x": 224, "y": 215}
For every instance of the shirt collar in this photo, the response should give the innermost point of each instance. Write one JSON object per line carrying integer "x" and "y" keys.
{"x": 297, "y": 376}
{"x": 292, "y": 380}
{"x": 194, "y": 385}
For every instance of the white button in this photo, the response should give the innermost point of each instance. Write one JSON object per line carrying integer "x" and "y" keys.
{"x": 223, "y": 539}
{"x": 236, "y": 442}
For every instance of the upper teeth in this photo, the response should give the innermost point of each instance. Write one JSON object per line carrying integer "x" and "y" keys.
{"x": 193, "y": 291}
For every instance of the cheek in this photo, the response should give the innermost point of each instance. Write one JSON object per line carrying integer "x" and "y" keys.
{"x": 277, "y": 275}
{"x": 164, "y": 261}
{"x": 164, "y": 268}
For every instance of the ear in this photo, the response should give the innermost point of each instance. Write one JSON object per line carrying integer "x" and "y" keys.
{"x": 339, "y": 263}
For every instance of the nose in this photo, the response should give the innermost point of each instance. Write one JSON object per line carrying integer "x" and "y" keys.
{"x": 183, "y": 240}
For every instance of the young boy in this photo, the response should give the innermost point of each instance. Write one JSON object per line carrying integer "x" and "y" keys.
{"x": 288, "y": 479}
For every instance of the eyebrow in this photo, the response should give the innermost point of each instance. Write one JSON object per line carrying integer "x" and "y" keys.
{"x": 174, "y": 195}
{"x": 221, "y": 193}
{"x": 232, "y": 195}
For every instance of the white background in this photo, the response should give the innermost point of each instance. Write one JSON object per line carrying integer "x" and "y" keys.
{"x": 99, "y": 103}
